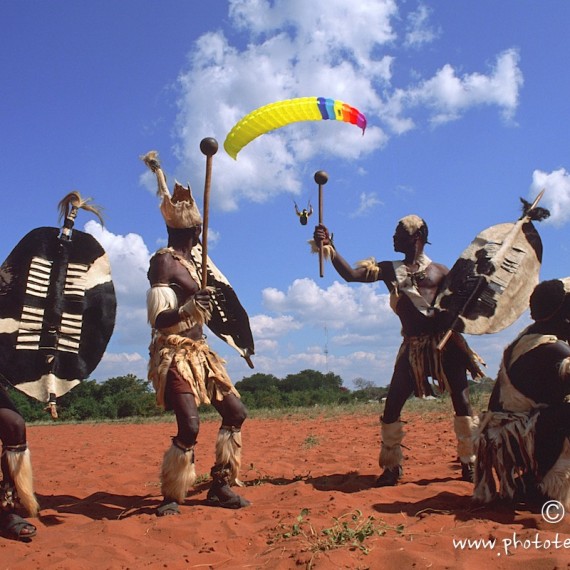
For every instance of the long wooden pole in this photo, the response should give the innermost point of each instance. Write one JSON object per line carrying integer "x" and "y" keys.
{"x": 209, "y": 147}
{"x": 321, "y": 178}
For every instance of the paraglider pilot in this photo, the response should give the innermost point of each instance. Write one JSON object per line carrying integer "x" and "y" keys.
{"x": 304, "y": 214}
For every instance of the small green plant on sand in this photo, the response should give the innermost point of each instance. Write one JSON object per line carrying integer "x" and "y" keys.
{"x": 350, "y": 530}
{"x": 202, "y": 478}
{"x": 311, "y": 441}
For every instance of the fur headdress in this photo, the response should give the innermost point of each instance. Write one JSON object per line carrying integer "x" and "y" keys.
{"x": 179, "y": 210}
{"x": 414, "y": 224}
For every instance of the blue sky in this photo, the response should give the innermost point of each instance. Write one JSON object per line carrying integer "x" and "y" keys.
{"x": 467, "y": 109}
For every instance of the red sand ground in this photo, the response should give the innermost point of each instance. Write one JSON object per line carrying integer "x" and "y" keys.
{"x": 98, "y": 487}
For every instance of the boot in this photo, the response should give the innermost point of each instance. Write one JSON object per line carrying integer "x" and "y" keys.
{"x": 465, "y": 428}
{"x": 390, "y": 476}
{"x": 391, "y": 457}
{"x": 220, "y": 493}
{"x": 177, "y": 475}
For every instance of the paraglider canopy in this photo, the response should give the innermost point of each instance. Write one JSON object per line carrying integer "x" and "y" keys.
{"x": 281, "y": 113}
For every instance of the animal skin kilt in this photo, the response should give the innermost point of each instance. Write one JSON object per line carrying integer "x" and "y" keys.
{"x": 426, "y": 360}
{"x": 196, "y": 363}
{"x": 424, "y": 357}
{"x": 513, "y": 446}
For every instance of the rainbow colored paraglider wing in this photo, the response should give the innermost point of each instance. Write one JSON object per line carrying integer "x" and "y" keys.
{"x": 281, "y": 113}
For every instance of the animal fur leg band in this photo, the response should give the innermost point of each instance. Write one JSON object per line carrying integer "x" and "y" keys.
{"x": 20, "y": 471}
{"x": 391, "y": 450}
{"x": 228, "y": 452}
{"x": 178, "y": 473}
{"x": 465, "y": 430}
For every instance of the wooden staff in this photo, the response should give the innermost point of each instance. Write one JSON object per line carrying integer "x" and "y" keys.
{"x": 209, "y": 147}
{"x": 321, "y": 178}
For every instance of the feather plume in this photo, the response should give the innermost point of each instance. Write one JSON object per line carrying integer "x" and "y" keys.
{"x": 151, "y": 160}
{"x": 536, "y": 214}
{"x": 73, "y": 200}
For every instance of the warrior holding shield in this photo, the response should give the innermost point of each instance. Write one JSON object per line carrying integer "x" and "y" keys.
{"x": 413, "y": 284}
{"x": 485, "y": 291}
{"x": 184, "y": 370}
{"x": 57, "y": 314}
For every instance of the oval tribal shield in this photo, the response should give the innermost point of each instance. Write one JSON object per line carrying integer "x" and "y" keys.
{"x": 57, "y": 311}
{"x": 229, "y": 320}
{"x": 489, "y": 286}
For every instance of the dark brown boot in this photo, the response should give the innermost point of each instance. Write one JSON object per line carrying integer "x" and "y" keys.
{"x": 467, "y": 472}
{"x": 389, "y": 477}
{"x": 220, "y": 493}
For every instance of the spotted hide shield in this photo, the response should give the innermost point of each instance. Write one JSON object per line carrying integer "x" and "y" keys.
{"x": 229, "y": 319}
{"x": 57, "y": 311}
{"x": 489, "y": 286}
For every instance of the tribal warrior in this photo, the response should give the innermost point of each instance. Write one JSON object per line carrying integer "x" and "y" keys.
{"x": 184, "y": 370}
{"x": 17, "y": 485}
{"x": 413, "y": 284}
{"x": 525, "y": 437}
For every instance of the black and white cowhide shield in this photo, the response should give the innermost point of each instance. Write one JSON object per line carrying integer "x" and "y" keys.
{"x": 229, "y": 319}
{"x": 57, "y": 311}
{"x": 489, "y": 286}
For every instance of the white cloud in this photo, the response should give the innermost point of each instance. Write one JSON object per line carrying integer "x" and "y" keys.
{"x": 337, "y": 306}
{"x": 297, "y": 48}
{"x": 419, "y": 31}
{"x": 129, "y": 258}
{"x": 446, "y": 96}
{"x": 556, "y": 196}
{"x": 367, "y": 201}
{"x": 266, "y": 327}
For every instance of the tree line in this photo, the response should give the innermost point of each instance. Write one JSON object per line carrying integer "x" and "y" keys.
{"x": 129, "y": 396}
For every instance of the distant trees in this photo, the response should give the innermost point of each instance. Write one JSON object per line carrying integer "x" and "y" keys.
{"x": 120, "y": 397}
{"x": 366, "y": 390}
{"x": 129, "y": 396}
{"x": 306, "y": 388}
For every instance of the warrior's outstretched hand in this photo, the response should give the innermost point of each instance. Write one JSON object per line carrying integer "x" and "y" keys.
{"x": 321, "y": 235}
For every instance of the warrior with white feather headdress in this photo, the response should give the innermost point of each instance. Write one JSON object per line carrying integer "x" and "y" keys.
{"x": 184, "y": 370}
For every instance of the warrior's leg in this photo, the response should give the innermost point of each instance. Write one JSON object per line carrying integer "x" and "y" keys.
{"x": 392, "y": 432}
{"x": 17, "y": 487}
{"x": 391, "y": 457}
{"x": 465, "y": 426}
{"x": 464, "y": 423}
{"x": 178, "y": 472}
{"x": 225, "y": 471}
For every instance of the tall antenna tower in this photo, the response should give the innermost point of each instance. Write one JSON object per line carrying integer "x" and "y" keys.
{"x": 326, "y": 351}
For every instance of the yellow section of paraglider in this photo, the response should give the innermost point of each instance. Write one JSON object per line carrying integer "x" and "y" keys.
{"x": 281, "y": 113}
